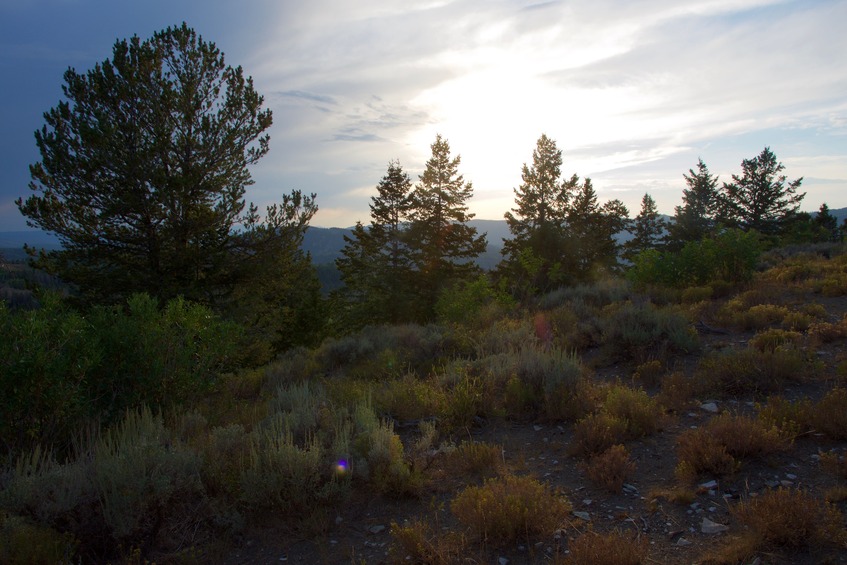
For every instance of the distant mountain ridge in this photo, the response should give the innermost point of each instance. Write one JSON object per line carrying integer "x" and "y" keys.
{"x": 324, "y": 244}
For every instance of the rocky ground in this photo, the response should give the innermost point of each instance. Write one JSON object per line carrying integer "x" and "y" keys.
{"x": 687, "y": 531}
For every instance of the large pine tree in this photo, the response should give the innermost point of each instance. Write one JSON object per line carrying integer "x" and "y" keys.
{"x": 532, "y": 258}
{"x": 591, "y": 230}
{"x": 443, "y": 245}
{"x": 759, "y": 199}
{"x": 695, "y": 219}
{"x": 376, "y": 264}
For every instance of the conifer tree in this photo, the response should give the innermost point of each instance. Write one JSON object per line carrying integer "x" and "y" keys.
{"x": 376, "y": 262}
{"x": 826, "y": 224}
{"x": 591, "y": 229}
{"x": 647, "y": 229}
{"x": 695, "y": 219}
{"x": 760, "y": 199}
{"x": 443, "y": 244}
{"x": 532, "y": 258}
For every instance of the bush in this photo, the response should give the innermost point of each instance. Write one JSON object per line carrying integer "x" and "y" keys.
{"x": 729, "y": 256}
{"x": 771, "y": 340}
{"x": 510, "y": 508}
{"x": 595, "y": 434}
{"x": 610, "y": 469}
{"x": 745, "y": 371}
{"x": 792, "y": 519}
{"x": 614, "y": 548}
{"x": 418, "y": 542}
{"x": 829, "y": 415}
{"x": 643, "y": 332}
{"x": 640, "y": 414}
{"x": 717, "y": 447}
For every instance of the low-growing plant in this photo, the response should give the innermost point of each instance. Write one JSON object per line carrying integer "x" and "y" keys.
{"x": 791, "y": 418}
{"x": 829, "y": 415}
{"x": 792, "y": 519}
{"x": 772, "y": 339}
{"x": 22, "y": 542}
{"x": 410, "y": 398}
{"x": 677, "y": 391}
{"x": 641, "y": 414}
{"x": 613, "y": 548}
{"x": 834, "y": 464}
{"x": 418, "y": 542}
{"x": 596, "y": 433}
{"x": 827, "y": 332}
{"x": 476, "y": 459}
{"x": 643, "y": 332}
{"x": 509, "y": 508}
{"x": 649, "y": 373}
{"x": 749, "y": 370}
{"x": 718, "y": 447}
{"x": 610, "y": 469}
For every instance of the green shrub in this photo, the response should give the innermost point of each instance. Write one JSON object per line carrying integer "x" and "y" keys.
{"x": 729, "y": 256}
{"x": 641, "y": 332}
{"x": 748, "y": 370}
{"x": 139, "y": 472}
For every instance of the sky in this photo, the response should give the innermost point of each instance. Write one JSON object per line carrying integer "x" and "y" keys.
{"x": 633, "y": 92}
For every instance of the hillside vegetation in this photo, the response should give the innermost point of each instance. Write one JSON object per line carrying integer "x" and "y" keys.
{"x": 599, "y": 425}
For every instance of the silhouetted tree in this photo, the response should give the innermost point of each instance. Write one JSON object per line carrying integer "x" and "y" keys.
{"x": 695, "y": 219}
{"x": 532, "y": 258}
{"x": 760, "y": 199}
{"x": 647, "y": 229}
{"x": 443, "y": 244}
{"x": 827, "y": 225}
{"x": 591, "y": 230}
{"x": 376, "y": 265}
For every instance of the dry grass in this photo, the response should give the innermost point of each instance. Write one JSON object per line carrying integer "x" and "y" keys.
{"x": 595, "y": 434}
{"x": 614, "y": 548}
{"x": 830, "y": 414}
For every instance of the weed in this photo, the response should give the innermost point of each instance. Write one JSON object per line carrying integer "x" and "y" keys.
{"x": 834, "y": 464}
{"x": 792, "y": 519}
{"x": 748, "y": 370}
{"x": 642, "y": 332}
{"x": 509, "y": 508}
{"x": 677, "y": 391}
{"x": 772, "y": 339}
{"x": 410, "y": 398}
{"x": 596, "y": 433}
{"x": 611, "y": 468}
{"x": 614, "y": 548}
{"x": 640, "y": 413}
{"x": 790, "y": 418}
{"x": 649, "y": 373}
{"x": 830, "y": 414}
{"x": 418, "y": 542}
{"x": 717, "y": 447}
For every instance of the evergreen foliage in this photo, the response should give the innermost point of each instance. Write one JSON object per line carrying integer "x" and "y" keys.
{"x": 443, "y": 245}
{"x": 760, "y": 199}
{"x": 647, "y": 229}
{"x": 376, "y": 264}
{"x": 143, "y": 172}
{"x": 696, "y": 217}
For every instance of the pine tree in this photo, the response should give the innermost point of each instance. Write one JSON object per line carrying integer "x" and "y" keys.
{"x": 376, "y": 264}
{"x": 532, "y": 258}
{"x": 591, "y": 230}
{"x": 760, "y": 199}
{"x": 647, "y": 230}
{"x": 695, "y": 219}
{"x": 826, "y": 224}
{"x": 143, "y": 172}
{"x": 443, "y": 244}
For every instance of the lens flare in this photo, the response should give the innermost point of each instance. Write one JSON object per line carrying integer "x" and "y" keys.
{"x": 341, "y": 467}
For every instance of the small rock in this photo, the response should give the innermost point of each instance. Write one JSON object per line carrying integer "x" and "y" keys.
{"x": 709, "y": 527}
{"x": 537, "y": 428}
{"x": 630, "y": 488}
{"x": 582, "y": 515}
{"x": 682, "y": 542}
{"x": 791, "y": 476}
{"x": 587, "y": 501}
{"x": 786, "y": 484}
{"x": 502, "y": 561}
{"x": 710, "y": 485}
{"x": 284, "y": 558}
{"x": 709, "y": 407}
{"x": 376, "y": 529}
{"x": 338, "y": 520}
